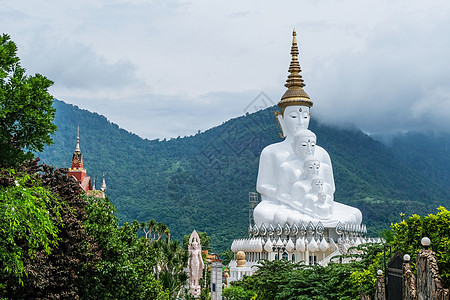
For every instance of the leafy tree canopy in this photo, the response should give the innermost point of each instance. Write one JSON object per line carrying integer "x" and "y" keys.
{"x": 55, "y": 242}
{"x": 26, "y": 111}
{"x": 407, "y": 236}
{"x": 25, "y": 223}
{"x": 285, "y": 280}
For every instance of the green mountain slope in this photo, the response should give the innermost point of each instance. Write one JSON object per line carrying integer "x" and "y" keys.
{"x": 202, "y": 182}
{"x": 426, "y": 153}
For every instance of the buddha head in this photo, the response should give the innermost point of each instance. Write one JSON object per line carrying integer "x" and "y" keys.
{"x": 317, "y": 184}
{"x": 311, "y": 167}
{"x": 322, "y": 197}
{"x": 293, "y": 118}
{"x": 295, "y": 102}
{"x": 304, "y": 143}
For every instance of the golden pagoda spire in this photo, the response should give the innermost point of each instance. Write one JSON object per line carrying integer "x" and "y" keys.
{"x": 77, "y": 148}
{"x": 77, "y": 157}
{"x": 295, "y": 95}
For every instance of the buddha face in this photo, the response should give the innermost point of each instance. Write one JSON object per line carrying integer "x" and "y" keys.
{"x": 311, "y": 167}
{"x": 304, "y": 143}
{"x": 322, "y": 197}
{"x": 295, "y": 117}
{"x": 317, "y": 185}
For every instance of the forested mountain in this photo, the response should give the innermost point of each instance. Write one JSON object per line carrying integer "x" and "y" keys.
{"x": 202, "y": 182}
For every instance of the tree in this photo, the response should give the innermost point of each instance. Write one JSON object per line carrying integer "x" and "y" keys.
{"x": 410, "y": 231}
{"x": 173, "y": 264}
{"x": 25, "y": 222}
{"x": 128, "y": 263}
{"x": 237, "y": 293}
{"x": 286, "y": 280}
{"x": 26, "y": 112}
{"x": 58, "y": 270}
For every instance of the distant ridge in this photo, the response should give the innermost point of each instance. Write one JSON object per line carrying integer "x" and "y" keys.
{"x": 202, "y": 182}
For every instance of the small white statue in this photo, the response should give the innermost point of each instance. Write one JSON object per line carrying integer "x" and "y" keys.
{"x": 323, "y": 207}
{"x": 195, "y": 263}
{"x": 317, "y": 201}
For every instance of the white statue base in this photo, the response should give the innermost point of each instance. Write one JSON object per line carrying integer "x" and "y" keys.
{"x": 309, "y": 244}
{"x": 268, "y": 212}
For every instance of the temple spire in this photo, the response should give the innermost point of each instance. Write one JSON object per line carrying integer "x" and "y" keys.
{"x": 294, "y": 79}
{"x": 295, "y": 95}
{"x": 77, "y": 149}
{"x": 103, "y": 188}
{"x": 77, "y": 157}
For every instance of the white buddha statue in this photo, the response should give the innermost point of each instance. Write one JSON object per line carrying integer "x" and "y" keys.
{"x": 317, "y": 201}
{"x": 276, "y": 179}
{"x": 296, "y": 175}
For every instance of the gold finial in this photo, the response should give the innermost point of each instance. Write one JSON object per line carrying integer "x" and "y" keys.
{"x": 295, "y": 95}
{"x": 240, "y": 259}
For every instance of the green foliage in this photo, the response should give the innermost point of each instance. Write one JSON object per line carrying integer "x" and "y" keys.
{"x": 26, "y": 223}
{"x": 405, "y": 238}
{"x": 269, "y": 278}
{"x": 73, "y": 247}
{"x": 26, "y": 111}
{"x": 172, "y": 260}
{"x": 227, "y": 256}
{"x": 317, "y": 282}
{"x": 205, "y": 294}
{"x": 367, "y": 260}
{"x": 410, "y": 231}
{"x": 237, "y": 293}
{"x": 128, "y": 264}
{"x": 425, "y": 152}
{"x": 56, "y": 272}
{"x": 285, "y": 280}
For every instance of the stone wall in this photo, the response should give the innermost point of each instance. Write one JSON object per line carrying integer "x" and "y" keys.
{"x": 429, "y": 283}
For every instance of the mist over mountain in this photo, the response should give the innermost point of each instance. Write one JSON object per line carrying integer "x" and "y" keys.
{"x": 202, "y": 182}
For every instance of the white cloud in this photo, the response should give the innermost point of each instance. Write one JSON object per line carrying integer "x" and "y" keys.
{"x": 373, "y": 64}
{"x": 75, "y": 66}
{"x": 384, "y": 86}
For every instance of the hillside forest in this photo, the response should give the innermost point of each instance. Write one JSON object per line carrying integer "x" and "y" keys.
{"x": 202, "y": 181}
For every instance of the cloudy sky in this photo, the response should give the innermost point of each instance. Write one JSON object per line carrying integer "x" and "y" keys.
{"x": 169, "y": 68}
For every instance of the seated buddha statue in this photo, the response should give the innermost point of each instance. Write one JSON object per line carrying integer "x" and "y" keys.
{"x": 280, "y": 167}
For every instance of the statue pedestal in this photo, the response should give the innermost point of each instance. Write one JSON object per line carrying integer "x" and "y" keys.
{"x": 301, "y": 249}
{"x": 236, "y": 273}
{"x": 310, "y": 244}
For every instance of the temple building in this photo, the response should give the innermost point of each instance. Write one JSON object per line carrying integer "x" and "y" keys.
{"x": 298, "y": 219}
{"x": 77, "y": 171}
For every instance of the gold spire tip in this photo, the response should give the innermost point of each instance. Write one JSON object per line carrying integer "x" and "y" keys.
{"x": 295, "y": 95}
